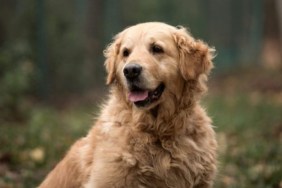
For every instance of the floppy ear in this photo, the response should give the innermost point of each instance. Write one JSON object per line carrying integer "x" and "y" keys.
{"x": 195, "y": 55}
{"x": 111, "y": 53}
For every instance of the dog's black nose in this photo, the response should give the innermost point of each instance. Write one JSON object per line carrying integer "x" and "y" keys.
{"x": 132, "y": 71}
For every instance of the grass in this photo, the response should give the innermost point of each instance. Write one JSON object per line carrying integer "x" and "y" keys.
{"x": 249, "y": 135}
{"x": 248, "y": 126}
{"x": 31, "y": 149}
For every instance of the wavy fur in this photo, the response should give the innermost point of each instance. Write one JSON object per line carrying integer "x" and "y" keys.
{"x": 170, "y": 143}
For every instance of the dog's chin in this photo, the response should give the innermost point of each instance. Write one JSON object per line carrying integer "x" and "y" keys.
{"x": 145, "y": 98}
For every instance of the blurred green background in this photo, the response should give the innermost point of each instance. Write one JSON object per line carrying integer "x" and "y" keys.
{"x": 52, "y": 80}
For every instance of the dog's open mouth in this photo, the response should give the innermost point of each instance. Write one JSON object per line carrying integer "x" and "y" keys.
{"x": 141, "y": 97}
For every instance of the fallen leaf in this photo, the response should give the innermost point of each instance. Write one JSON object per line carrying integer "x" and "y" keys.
{"x": 37, "y": 154}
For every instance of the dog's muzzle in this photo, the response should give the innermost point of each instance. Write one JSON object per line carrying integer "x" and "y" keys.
{"x": 138, "y": 94}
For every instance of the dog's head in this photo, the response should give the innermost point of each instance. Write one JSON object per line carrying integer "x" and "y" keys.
{"x": 151, "y": 58}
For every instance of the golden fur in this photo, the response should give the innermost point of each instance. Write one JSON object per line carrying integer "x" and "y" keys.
{"x": 169, "y": 143}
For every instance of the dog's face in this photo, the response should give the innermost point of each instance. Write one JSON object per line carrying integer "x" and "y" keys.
{"x": 152, "y": 58}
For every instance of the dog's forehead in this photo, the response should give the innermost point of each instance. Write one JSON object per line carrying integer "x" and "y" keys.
{"x": 148, "y": 32}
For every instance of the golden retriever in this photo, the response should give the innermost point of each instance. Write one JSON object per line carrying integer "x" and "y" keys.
{"x": 152, "y": 131}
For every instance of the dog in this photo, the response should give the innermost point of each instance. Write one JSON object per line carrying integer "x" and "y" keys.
{"x": 152, "y": 131}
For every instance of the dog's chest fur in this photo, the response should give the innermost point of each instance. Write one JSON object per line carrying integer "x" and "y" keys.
{"x": 160, "y": 161}
{"x": 133, "y": 158}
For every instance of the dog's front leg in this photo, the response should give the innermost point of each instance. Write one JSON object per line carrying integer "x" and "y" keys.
{"x": 72, "y": 171}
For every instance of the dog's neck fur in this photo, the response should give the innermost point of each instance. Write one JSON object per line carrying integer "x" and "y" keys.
{"x": 154, "y": 111}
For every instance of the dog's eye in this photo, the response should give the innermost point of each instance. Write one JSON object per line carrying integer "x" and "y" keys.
{"x": 125, "y": 52}
{"x": 156, "y": 49}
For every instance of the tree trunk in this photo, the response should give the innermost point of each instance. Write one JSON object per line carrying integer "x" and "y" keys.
{"x": 272, "y": 46}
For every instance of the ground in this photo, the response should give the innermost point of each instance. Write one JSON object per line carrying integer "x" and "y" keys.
{"x": 245, "y": 105}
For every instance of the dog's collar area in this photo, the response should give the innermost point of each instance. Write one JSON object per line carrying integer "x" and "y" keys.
{"x": 152, "y": 96}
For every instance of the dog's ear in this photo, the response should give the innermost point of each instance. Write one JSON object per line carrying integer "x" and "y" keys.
{"x": 111, "y": 53}
{"x": 195, "y": 56}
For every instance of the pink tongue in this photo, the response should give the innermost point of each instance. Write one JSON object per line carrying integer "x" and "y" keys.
{"x": 137, "y": 96}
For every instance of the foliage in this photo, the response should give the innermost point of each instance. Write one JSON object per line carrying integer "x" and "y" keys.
{"x": 64, "y": 43}
{"x": 16, "y": 70}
